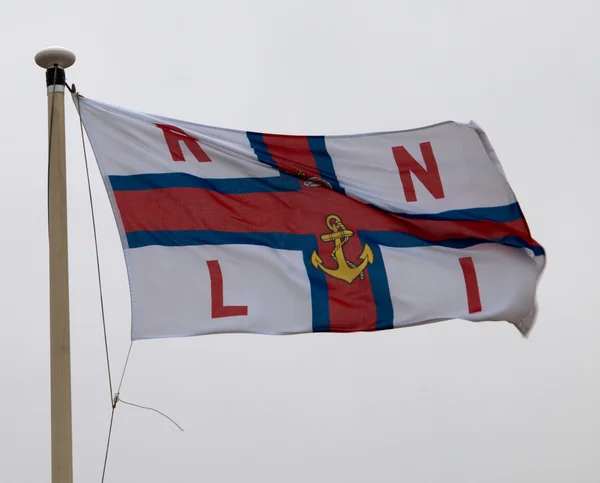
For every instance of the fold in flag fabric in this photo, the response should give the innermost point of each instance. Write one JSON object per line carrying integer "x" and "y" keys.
{"x": 232, "y": 231}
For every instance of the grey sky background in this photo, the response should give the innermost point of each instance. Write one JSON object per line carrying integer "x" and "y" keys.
{"x": 448, "y": 402}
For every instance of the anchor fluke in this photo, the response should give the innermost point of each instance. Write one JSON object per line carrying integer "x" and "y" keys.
{"x": 316, "y": 260}
{"x": 367, "y": 254}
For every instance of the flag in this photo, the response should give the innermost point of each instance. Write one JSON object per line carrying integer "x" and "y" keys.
{"x": 232, "y": 231}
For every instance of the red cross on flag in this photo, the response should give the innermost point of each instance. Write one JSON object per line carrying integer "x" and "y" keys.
{"x": 232, "y": 231}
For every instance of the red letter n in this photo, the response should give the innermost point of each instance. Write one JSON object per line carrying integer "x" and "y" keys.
{"x": 428, "y": 175}
{"x": 216, "y": 292}
{"x": 174, "y": 135}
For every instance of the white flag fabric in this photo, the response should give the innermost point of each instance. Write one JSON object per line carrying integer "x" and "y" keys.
{"x": 232, "y": 231}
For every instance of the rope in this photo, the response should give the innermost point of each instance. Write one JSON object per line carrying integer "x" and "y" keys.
{"x": 87, "y": 172}
{"x": 112, "y": 418}
{"x": 125, "y": 367}
{"x": 151, "y": 409}
{"x": 116, "y": 398}
{"x": 113, "y": 400}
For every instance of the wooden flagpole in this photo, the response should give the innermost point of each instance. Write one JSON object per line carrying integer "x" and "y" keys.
{"x": 55, "y": 60}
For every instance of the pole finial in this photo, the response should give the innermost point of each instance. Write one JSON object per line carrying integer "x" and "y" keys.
{"x": 51, "y": 56}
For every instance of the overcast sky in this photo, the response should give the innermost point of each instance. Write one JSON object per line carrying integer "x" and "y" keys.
{"x": 448, "y": 402}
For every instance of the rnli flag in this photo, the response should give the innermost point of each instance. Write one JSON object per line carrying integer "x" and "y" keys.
{"x": 232, "y": 231}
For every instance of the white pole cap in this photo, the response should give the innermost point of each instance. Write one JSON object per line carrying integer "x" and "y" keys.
{"x": 51, "y": 56}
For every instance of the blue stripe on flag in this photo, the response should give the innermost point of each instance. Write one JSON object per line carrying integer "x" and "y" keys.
{"x": 228, "y": 186}
{"x": 403, "y": 240}
{"x": 257, "y": 142}
{"x": 318, "y": 292}
{"x": 499, "y": 214}
{"x": 324, "y": 162}
{"x": 178, "y": 238}
{"x": 381, "y": 290}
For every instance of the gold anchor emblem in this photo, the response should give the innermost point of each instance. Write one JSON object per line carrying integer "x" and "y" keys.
{"x": 346, "y": 270}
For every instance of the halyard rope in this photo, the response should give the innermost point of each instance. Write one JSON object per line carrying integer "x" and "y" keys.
{"x": 113, "y": 400}
{"x": 87, "y": 172}
{"x": 114, "y": 397}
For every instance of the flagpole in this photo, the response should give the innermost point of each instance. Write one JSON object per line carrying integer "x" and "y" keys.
{"x": 55, "y": 60}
